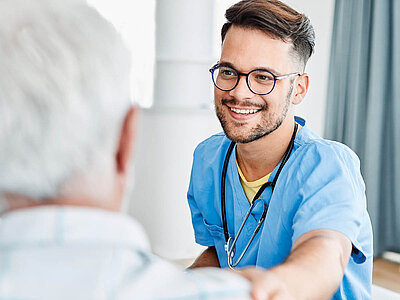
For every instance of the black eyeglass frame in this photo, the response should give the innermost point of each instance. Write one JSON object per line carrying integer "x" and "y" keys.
{"x": 217, "y": 66}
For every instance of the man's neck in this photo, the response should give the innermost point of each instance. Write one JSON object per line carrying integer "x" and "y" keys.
{"x": 259, "y": 158}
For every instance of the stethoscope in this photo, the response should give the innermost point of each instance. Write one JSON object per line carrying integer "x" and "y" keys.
{"x": 230, "y": 248}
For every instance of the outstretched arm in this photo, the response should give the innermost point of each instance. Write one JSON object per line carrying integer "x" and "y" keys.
{"x": 313, "y": 270}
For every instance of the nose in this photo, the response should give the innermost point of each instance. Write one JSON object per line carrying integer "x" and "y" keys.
{"x": 241, "y": 91}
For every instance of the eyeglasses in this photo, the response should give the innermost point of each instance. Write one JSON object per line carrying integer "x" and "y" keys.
{"x": 259, "y": 81}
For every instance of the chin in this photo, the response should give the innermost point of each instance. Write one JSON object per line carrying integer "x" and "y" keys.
{"x": 245, "y": 136}
{"x": 244, "y": 133}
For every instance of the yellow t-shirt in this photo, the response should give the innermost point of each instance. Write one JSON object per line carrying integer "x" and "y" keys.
{"x": 251, "y": 187}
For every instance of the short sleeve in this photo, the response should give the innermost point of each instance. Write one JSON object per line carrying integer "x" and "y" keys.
{"x": 332, "y": 196}
{"x": 201, "y": 233}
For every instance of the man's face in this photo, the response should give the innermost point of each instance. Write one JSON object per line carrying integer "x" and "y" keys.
{"x": 245, "y": 116}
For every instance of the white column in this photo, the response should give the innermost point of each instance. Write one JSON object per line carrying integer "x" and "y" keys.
{"x": 135, "y": 21}
{"x": 181, "y": 117}
{"x": 321, "y": 15}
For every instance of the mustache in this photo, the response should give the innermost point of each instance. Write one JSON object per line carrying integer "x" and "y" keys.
{"x": 246, "y": 103}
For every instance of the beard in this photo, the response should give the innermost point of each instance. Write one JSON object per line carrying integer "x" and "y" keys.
{"x": 270, "y": 121}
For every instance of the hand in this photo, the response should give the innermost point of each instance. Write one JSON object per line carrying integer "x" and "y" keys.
{"x": 266, "y": 285}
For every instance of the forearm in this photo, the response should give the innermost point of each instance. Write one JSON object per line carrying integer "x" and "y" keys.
{"x": 208, "y": 258}
{"x": 315, "y": 268}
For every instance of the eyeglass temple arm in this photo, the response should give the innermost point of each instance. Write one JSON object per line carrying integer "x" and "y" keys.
{"x": 287, "y": 75}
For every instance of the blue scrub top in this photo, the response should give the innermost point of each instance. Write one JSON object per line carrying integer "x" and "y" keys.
{"x": 320, "y": 187}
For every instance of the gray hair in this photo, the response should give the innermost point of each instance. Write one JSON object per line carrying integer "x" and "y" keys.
{"x": 64, "y": 92}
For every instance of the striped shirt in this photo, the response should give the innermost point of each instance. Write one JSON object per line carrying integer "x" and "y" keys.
{"x": 54, "y": 252}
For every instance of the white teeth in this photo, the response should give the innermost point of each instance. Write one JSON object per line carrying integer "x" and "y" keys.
{"x": 244, "y": 111}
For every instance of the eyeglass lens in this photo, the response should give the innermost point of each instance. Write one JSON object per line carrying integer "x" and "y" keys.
{"x": 259, "y": 81}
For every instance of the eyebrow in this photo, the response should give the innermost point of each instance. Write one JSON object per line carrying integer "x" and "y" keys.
{"x": 228, "y": 64}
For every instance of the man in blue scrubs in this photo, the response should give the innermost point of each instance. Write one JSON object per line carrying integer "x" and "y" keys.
{"x": 316, "y": 240}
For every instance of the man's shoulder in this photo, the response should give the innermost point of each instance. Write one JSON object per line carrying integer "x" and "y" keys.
{"x": 212, "y": 147}
{"x": 314, "y": 154}
{"x": 213, "y": 141}
{"x": 311, "y": 144}
{"x": 170, "y": 282}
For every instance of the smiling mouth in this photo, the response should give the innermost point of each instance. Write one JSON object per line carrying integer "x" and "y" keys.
{"x": 244, "y": 111}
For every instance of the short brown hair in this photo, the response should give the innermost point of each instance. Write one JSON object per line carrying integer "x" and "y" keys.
{"x": 276, "y": 19}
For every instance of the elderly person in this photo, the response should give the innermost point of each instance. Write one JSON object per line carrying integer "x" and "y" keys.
{"x": 66, "y": 132}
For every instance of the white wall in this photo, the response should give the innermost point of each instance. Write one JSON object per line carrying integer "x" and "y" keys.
{"x": 128, "y": 17}
{"x": 181, "y": 116}
{"x": 321, "y": 16}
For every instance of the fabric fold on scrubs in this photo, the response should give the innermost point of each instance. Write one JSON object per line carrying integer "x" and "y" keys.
{"x": 341, "y": 179}
{"x": 205, "y": 227}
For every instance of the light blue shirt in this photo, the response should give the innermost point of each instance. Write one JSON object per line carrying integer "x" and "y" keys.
{"x": 320, "y": 187}
{"x": 53, "y": 252}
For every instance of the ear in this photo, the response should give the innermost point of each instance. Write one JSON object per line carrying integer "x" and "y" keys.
{"x": 301, "y": 88}
{"x": 124, "y": 151}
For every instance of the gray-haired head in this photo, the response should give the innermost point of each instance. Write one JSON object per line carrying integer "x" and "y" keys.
{"x": 64, "y": 92}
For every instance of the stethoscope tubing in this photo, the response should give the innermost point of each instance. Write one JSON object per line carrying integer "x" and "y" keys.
{"x": 258, "y": 194}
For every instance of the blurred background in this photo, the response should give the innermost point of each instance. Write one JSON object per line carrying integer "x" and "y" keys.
{"x": 354, "y": 98}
